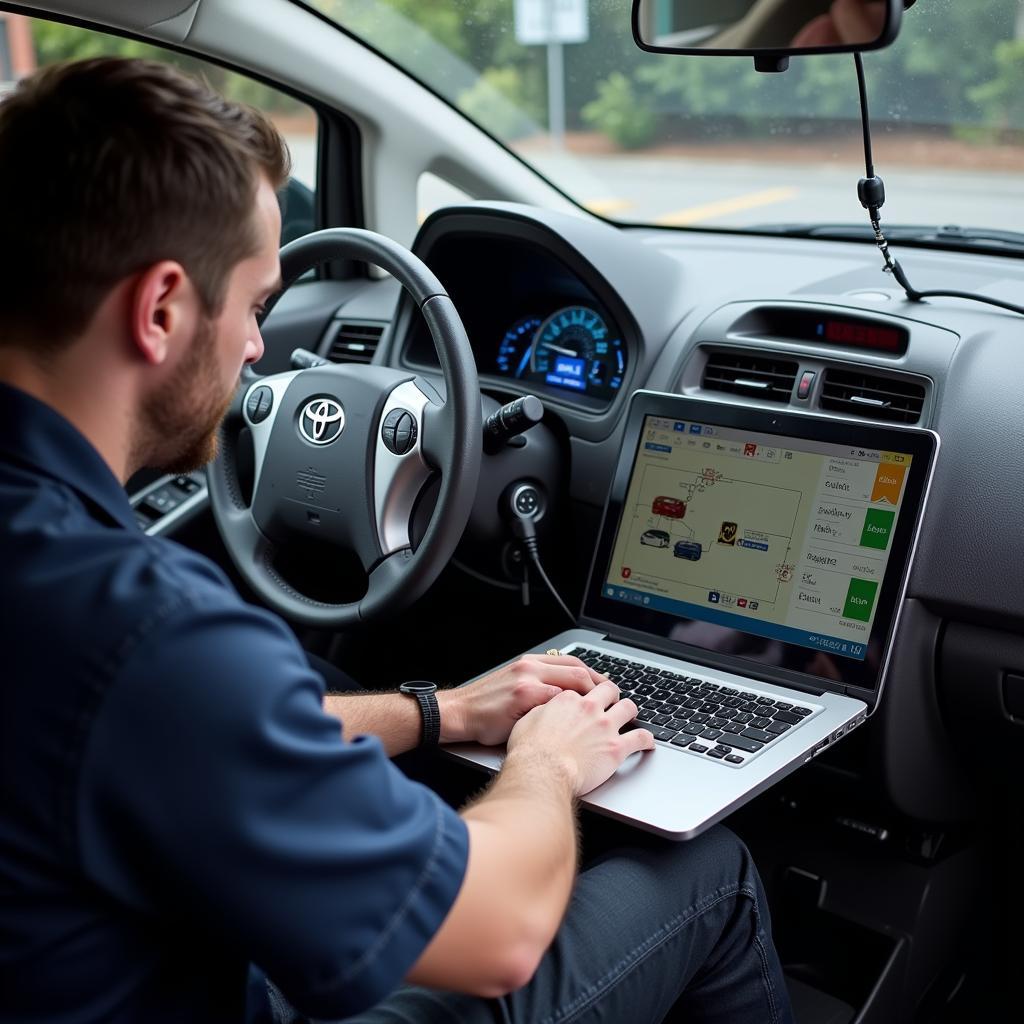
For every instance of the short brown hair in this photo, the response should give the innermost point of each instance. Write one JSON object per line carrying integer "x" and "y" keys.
{"x": 108, "y": 166}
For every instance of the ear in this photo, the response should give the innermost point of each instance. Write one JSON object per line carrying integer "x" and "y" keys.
{"x": 164, "y": 306}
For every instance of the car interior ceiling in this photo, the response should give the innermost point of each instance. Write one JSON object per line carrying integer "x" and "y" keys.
{"x": 891, "y": 860}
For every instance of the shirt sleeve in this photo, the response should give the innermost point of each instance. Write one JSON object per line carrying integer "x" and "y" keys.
{"x": 215, "y": 788}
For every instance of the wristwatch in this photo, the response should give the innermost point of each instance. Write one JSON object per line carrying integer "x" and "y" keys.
{"x": 425, "y": 694}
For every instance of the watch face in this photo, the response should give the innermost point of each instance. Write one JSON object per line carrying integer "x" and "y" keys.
{"x": 418, "y": 687}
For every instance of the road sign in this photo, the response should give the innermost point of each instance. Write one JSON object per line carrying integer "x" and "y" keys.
{"x": 551, "y": 21}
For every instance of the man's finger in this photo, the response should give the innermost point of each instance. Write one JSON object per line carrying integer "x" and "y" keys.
{"x": 569, "y": 660}
{"x": 622, "y": 712}
{"x": 637, "y": 739}
{"x": 605, "y": 694}
{"x": 569, "y": 677}
{"x": 537, "y": 694}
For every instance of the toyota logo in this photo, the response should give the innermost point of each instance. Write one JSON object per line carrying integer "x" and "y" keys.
{"x": 321, "y": 421}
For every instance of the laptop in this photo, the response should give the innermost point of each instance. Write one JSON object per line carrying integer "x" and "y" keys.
{"x": 745, "y": 592}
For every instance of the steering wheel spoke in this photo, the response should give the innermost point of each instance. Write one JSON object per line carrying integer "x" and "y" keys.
{"x": 260, "y": 403}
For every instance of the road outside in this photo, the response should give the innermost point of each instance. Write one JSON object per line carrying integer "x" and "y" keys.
{"x": 963, "y": 186}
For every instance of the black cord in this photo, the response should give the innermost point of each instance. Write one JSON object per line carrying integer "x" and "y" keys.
{"x": 526, "y": 533}
{"x": 871, "y": 193}
{"x": 869, "y": 165}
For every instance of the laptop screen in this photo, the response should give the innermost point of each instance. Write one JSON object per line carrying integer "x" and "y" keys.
{"x": 784, "y": 548}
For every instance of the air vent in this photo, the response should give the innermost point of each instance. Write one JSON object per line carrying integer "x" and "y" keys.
{"x": 873, "y": 397}
{"x": 763, "y": 377}
{"x": 355, "y": 343}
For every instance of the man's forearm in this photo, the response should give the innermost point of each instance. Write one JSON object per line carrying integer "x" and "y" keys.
{"x": 393, "y": 717}
{"x": 522, "y": 863}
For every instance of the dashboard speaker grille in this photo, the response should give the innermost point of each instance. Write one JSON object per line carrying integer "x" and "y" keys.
{"x": 873, "y": 397}
{"x": 354, "y": 342}
{"x": 762, "y": 377}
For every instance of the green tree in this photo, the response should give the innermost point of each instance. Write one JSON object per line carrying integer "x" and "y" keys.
{"x": 620, "y": 114}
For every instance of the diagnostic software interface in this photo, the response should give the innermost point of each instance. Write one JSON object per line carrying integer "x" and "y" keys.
{"x": 781, "y": 537}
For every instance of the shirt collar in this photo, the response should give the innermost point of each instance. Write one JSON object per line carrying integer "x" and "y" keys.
{"x": 37, "y": 436}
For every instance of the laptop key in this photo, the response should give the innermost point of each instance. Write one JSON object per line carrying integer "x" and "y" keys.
{"x": 711, "y": 734}
{"x": 801, "y": 712}
{"x": 660, "y": 719}
{"x": 765, "y": 710}
{"x": 644, "y": 715}
{"x": 758, "y": 734}
{"x": 682, "y": 740}
{"x": 781, "y": 705}
{"x": 699, "y": 717}
{"x": 726, "y": 713}
{"x": 716, "y": 723}
{"x": 778, "y": 727}
{"x": 758, "y": 723}
{"x": 715, "y": 753}
{"x": 723, "y": 748}
{"x": 693, "y": 702}
{"x": 750, "y": 746}
{"x": 734, "y": 727}
{"x": 693, "y": 729}
{"x": 699, "y": 747}
{"x": 742, "y": 716}
{"x": 675, "y": 724}
{"x": 734, "y": 759}
{"x": 787, "y": 716}
{"x": 657, "y": 731}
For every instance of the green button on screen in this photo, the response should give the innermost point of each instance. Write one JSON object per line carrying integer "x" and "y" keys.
{"x": 877, "y": 528}
{"x": 860, "y": 599}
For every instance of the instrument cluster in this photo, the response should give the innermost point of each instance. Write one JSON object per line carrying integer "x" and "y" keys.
{"x": 573, "y": 348}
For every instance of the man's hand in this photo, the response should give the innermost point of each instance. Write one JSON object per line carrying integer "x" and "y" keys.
{"x": 486, "y": 711}
{"x": 582, "y": 733}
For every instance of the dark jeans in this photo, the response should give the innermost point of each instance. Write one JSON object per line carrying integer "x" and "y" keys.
{"x": 653, "y": 927}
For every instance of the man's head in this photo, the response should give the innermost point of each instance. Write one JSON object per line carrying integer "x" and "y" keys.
{"x": 139, "y": 200}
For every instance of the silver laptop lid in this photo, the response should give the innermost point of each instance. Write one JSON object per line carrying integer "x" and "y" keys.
{"x": 776, "y": 545}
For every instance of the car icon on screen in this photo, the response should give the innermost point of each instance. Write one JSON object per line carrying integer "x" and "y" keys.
{"x": 688, "y": 549}
{"x": 655, "y": 538}
{"x": 674, "y": 508}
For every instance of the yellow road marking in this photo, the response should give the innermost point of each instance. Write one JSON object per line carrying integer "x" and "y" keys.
{"x": 720, "y": 207}
{"x": 606, "y": 207}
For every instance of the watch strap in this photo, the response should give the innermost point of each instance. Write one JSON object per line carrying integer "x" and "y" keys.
{"x": 430, "y": 711}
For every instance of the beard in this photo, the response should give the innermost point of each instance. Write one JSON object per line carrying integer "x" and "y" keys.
{"x": 179, "y": 424}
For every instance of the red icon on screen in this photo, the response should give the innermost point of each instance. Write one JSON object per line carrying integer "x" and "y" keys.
{"x": 750, "y": 450}
{"x": 626, "y": 572}
{"x": 742, "y": 602}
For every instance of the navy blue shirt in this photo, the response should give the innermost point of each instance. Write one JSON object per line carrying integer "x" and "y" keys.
{"x": 177, "y": 811}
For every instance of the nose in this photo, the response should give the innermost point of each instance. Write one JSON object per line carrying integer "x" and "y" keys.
{"x": 254, "y": 347}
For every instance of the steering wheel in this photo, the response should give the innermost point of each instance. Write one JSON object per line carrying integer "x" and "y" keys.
{"x": 343, "y": 453}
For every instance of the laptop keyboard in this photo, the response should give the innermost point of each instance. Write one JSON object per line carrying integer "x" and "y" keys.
{"x": 726, "y": 723}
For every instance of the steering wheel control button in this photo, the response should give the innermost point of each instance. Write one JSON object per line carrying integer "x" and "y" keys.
{"x": 803, "y": 390}
{"x": 259, "y": 404}
{"x": 321, "y": 421}
{"x": 399, "y": 431}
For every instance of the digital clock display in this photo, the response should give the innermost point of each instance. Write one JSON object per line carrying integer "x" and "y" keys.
{"x": 863, "y": 334}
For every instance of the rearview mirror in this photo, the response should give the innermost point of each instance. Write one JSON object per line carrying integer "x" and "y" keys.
{"x": 770, "y": 31}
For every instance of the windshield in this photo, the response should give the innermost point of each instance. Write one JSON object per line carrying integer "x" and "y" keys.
{"x": 708, "y": 142}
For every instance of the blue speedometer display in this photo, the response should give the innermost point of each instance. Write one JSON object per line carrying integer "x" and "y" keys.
{"x": 573, "y": 349}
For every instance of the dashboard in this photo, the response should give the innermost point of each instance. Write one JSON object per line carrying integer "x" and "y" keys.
{"x": 794, "y": 325}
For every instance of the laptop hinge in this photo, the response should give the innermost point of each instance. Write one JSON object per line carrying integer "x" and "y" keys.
{"x": 737, "y": 666}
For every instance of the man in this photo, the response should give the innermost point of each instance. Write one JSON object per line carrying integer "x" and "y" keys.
{"x": 181, "y": 816}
